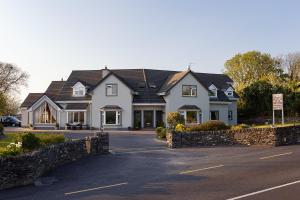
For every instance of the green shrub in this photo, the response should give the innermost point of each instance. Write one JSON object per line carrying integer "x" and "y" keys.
{"x": 180, "y": 128}
{"x": 239, "y": 127}
{"x": 161, "y": 132}
{"x": 212, "y": 125}
{"x": 47, "y": 139}
{"x": 30, "y": 141}
{"x": 173, "y": 119}
{"x": 1, "y": 129}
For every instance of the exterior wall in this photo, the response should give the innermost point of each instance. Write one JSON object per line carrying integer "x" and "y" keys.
{"x": 233, "y": 107}
{"x": 123, "y": 100}
{"x": 223, "y": 111}
{"x": 63, "y": 119}
{"x": 175, "y": 99}
{"x": 24, "y": 120}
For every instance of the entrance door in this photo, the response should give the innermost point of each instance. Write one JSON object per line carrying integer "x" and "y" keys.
{"x": 137, "y": 119}
{"x": 148, "y": 118}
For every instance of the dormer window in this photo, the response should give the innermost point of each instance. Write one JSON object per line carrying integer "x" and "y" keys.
{"x": 79, "y": 90}
{"x": 229, "y": 92}
{"x": 213, "y": 91}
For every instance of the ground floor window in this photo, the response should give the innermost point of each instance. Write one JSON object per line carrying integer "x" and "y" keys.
{"x": 111, "y": 117}
{"x": 76, "y": 117}
{"x": 191, "y": 116}
{"x": 214, "y": 115}
{"x": 230, "y": 115}
{"x": 45, "y": 114}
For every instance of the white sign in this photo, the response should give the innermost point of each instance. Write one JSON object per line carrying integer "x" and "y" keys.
{"x": 277, "y": 101}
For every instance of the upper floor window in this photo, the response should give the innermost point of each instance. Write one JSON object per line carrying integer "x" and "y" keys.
{"x": 213, "y": 91}
{"x": 189, "y": 90}
{"x": 79, "y": 90}
{"x": 229, "y": 92}
{"x": 111, "y": 89}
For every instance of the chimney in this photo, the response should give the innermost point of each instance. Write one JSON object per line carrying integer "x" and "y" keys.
{"x": 105, "y": 71}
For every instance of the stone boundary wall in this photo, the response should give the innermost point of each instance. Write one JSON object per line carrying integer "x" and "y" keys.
{"x": 250, "y": 136}
{"x": 26, "y": 168}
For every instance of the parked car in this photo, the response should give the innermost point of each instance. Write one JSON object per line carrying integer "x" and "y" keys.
{"x": 10, "y": 121}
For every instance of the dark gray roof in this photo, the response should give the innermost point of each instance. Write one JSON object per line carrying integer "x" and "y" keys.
{"x": 189, "y": 107}
{"x": 88, "y": 78}
{"x": 31, "y": 99}
{"x": 113, "y": 107}
{"x": 144, "y": 83}
{"x": 77, "y": 106}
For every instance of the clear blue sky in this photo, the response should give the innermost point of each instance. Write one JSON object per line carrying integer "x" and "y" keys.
{"x": 50, "y": 38}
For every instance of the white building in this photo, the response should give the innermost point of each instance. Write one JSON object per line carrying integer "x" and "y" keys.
{"x": 119, "y": 99}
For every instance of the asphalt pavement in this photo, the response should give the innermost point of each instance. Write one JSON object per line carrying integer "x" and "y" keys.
{"x": 141, "y": 167}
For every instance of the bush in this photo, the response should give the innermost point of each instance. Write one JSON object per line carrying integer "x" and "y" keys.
{"x": 12, "y": 149}
{"x": 239, "y": 127}
{"x": 180, "y": 128}
{"x": 173, "y": 119}
{"x": 161, "y": 132}
{"x": 30, "y": 141}
{"x": 47, "y": 139}
{"x": 212, "y": 125}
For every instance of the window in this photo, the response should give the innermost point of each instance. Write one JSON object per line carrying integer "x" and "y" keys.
{"x": 111, "y": 89}
{"x": 212, "y": 93}
{"x": 191, "y": 117}
{"x": 45, "y": 114}
{"x": 79, "y": 90}
{"x": 189, "y": 90}
{"x": 230, "y": 115}
{"x": 76, "y": 117}
{"x": 229, "y": 93}
{"x": 111, "y": 117}
{"x": 214, "y": 115}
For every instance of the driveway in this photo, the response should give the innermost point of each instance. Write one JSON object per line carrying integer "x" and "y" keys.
{"x": 140, "y": 167}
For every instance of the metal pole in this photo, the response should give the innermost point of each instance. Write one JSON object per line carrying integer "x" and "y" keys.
{"x": 282, "y": 114}
{"x": 273, "y": 117}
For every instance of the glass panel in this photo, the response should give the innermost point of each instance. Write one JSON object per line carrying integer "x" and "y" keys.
{"x": 110, "y": 117}
{"x": 189, "y": 90}
{"x": 214, "y": 115}
{"x": 70, "y": 117}
{"x": 191, "y": 117}
{"x": 111, "y": 89}
{"x": 81, "y": 117}
{"x": 137, "y": 119}
{"x": 148, "y": 118}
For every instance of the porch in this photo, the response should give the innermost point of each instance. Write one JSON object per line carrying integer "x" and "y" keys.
{"x": 148, "y": 117}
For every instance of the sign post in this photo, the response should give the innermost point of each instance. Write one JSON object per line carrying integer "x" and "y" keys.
{"x": 278, "y": 105}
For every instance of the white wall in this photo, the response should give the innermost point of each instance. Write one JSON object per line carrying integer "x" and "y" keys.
{"x": 123, "y": 100}
{"x": 223, "y": 111}
{"x": 175, "y": 99}
{"x": 24, "y": 120}
{"x": 233, "y": 107}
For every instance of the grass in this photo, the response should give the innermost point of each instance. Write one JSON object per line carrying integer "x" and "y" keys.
{"x": 277, "y": 125}
{"x": 46, "y": 139}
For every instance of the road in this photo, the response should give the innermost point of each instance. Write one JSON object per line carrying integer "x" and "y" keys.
{"x": 141, "y": 167}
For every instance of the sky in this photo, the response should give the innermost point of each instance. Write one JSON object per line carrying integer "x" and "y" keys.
{"x": 49, "y": 39}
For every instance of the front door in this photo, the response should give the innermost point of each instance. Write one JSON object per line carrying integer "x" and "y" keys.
{"x": 159, "y": 118}
{"x": 148, "y": 118}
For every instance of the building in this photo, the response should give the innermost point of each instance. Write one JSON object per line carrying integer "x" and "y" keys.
{"x": 131, "y": 98}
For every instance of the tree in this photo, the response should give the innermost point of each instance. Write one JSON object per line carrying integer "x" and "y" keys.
{"x": 11, "y": 78}
{"x": 291, "y": 64}
{"x": 250, "y": 67}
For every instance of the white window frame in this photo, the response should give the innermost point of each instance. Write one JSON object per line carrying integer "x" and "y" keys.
{"x": 79, "y": 90}
{"x": 184, "y": 114}
{"x": 229, "y": 92}
{"x": 110, "y": 85}
{"x": 214, "y": 90}
{"x": 117, "y": 117}
{"x": 193, "y": 89}
{"x": 72, "y": 115}
{"x": 214, "y": 111}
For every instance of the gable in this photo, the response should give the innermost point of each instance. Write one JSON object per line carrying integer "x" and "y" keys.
{"x": 42, "y": 100}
